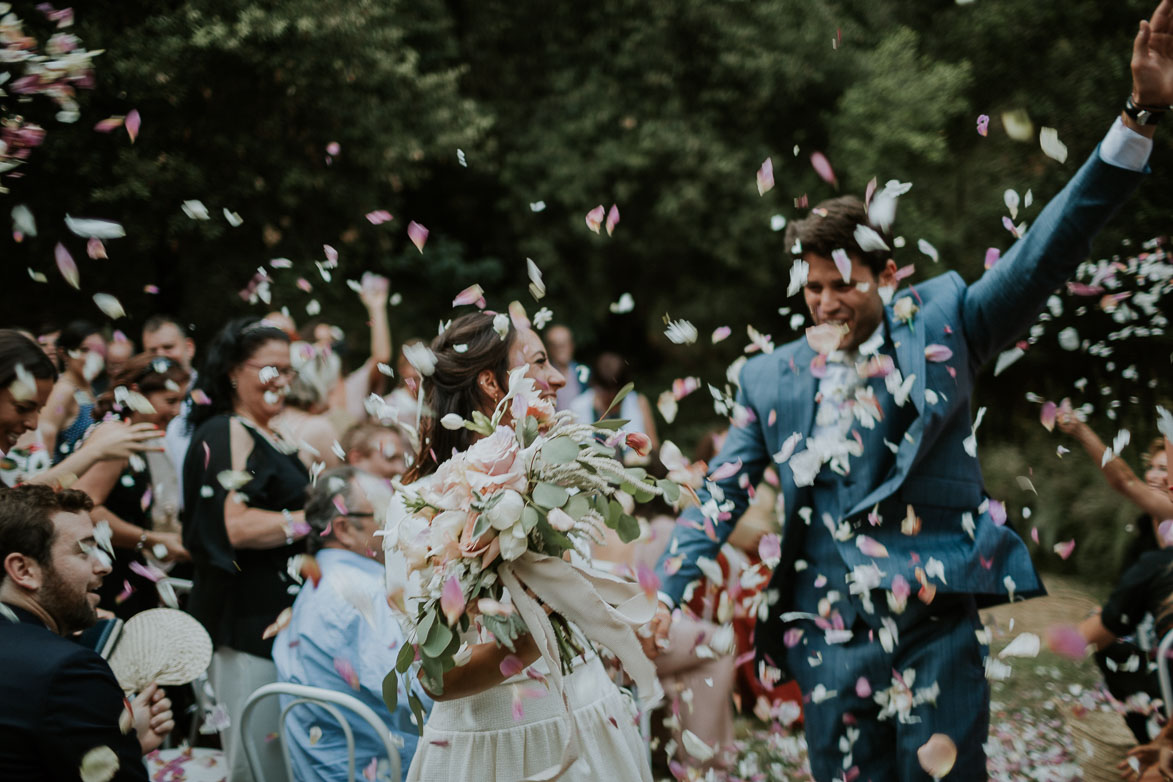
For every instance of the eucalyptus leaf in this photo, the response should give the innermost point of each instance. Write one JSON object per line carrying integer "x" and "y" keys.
{"x": 417, "y": 709}
{"x": 671, "y": 490}
{"x": 554, "y": 539}
{"x": 437, "y": 640}
{"x": 611, "y": 423}
{"x": 623, "y": 392}
{"x": 529, "y": 432}
{"x": 405, "y": 659}
{"x": 550, "y": 495}
{"x": 560, "y": 450}
{"x": 425, "y": 626}
{"x": 577, "y": 506}
{"x": 481, "y": 527}
{"x": 627, "y": 527}
{"x": 391, "y": 690}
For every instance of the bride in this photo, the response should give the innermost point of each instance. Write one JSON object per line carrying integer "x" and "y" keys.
{"x": 487, "y": 725}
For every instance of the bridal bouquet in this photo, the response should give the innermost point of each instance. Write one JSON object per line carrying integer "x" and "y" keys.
{"x": 483, "y": 539}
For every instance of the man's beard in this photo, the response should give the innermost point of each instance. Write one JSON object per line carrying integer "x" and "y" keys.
{"x": 70, "y": 609}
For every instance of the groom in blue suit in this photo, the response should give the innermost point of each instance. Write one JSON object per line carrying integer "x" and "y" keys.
{"x": 890, "y": 544}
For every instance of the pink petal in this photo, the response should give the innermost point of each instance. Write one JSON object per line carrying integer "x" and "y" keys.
{"x": 1008, "y": 224}
{"x": 594, "y": 218}
{"x": 473, "y": 294}
{"x": 127, "y": 591}
{"x": 331, "y": 253}
{"x": 992, "y": 256}
{"x": 109, "y": 124}
{"x": 1080, "y": 289}
{"x": 1034, "y": 534}
{"x": 997, "y": 512}
{"x": 937, "y": 353}
{"x": 518, "y": 316}
{"x": 682, "y": 387}
{"x": 863, "y": 688}
{"x": 518, "y": 708}
{"x": 149, "y": 572}
{"x": 842, "y": 263}
{"x": 1066, "y": 640}
{"x": 452, "y": 600}
{"x": 612, "y": 219}
{"x": 766, "y": 177}
{"x": 905, "y": 271}
{"x": 1165, "y": 532}
{"x": 133, "y": 122}
{"x": 726, "y": 470}
{"x": 418, "y": 235}
{"x": 371, "y": 771}
{"x": 379, "y": 216}
{"x": 1047, "y": 416}
{"x": 871, "y": 547}
{"x": 333, "y": 148}
{"x": 66, "y": 266}
{"x": 721, "y": 333}
{"x": 823, "y": 168}
{"x": 871, "y": 190}
{"x": 792, "y": 636}
{"x": 900, "y": 588}
{"x": 647, "y": 579}
{"x": 824, "y": 338}
{"x": 95, "y": 249}
{"x": 983, "y": 124}
{"x": 347, "y": 672}
{"x": 1065, "y": 548}
{"x": 938, "y": 755}
{"x": 511, "y": 666}
{"x": 770, "y": 547}
{"x": 150, "y": 289}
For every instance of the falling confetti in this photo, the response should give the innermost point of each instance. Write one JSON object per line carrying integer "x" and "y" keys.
{"x": 766, "y": 177}
{"x": 418, "y": 235}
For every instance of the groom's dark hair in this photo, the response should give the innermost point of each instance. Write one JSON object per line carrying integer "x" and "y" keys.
{"x": 831, "y": 226}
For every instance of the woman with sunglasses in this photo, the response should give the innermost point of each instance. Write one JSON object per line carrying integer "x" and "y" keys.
{"x": 244, "y": 492}
{"x": 138, "y": 496}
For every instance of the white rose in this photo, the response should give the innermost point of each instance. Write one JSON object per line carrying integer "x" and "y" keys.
{"x": 506, "y": 512}
{"x": 446, "y": 526}
{"x": 904, "y": 309}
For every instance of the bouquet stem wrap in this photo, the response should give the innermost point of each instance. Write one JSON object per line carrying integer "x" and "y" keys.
{"x": 605, "y": 608}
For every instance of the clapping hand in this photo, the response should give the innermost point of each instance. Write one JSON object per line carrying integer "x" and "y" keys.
{"x": 116, "y": 440}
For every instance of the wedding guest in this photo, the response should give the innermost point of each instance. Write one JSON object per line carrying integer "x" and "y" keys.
{"x": 47, "y": 336}
{"x": 81, "y": 350}
{"x": 118, "y": 352}
{"x": 303, "y": 420}
{"x": 138, "y": 497}
{"x": 62, "y": 703}
{"x": 473, "y": 733}
{"x": 1150, "y": 494}
{"x": 560, "y": 341}
{"x": 26, "y": 381}
{"x": 244, "y": 492}
{"x": 862, "y": 381}
{"x": 165, "y": 336}
{"x": 611, "y": 373}
{"x": 342, "y": 635}
{"x": 377, "y": 449}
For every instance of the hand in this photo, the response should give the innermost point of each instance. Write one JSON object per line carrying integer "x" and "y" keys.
{"x": 153, "y": 719}
{"x": 654, "y": 637}
{"x": 374, "y": 291}
{"x": 1068, "y": 422}
{"x": 116, "y": 440}
{"x": 172, "y": 542}
{"x": 1152, "y": 59}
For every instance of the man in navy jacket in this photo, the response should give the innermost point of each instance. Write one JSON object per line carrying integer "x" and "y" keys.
{"x": 62, "y": 706}
{"x": 889, "y": 542}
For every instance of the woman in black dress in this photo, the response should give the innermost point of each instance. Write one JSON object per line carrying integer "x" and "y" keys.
{"x": 244, "y": 490}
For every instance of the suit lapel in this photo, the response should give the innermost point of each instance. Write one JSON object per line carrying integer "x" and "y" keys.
{"x": 797, "y": 387}
{"x": 909, "y": 342}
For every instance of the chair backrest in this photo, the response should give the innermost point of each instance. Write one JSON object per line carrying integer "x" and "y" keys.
{"x": 329, "y": 700}
{"x": 1163, "y": 672}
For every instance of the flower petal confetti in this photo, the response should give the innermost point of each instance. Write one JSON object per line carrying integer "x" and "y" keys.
{"x": 1052, "y": 146}
{"x": 983, "y": 124}
{"x": 97, "y": 229}
{"x": 822, "y": 167}
{"x": 766, "y": 177}
{"x": 842, "y": 263}
{"x": 594, "y": 218}
{"x": 473, "y": 294}
{"x": 680, "y": 332}
{"x": 109, "y": 305}
{"x": 937, "y": 755}
{"x": 452, "y": 600}
{"x": 418, "y": 235}
{"x": 133, "y": 123}
{"x": 612, "y": 219}
{"x": 66, "y": 266}
{"x": 624, "y": 305}
{"x": 379, "y": 216}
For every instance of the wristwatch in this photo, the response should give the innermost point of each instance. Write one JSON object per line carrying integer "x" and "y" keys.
{"x": 1144, "y": 115}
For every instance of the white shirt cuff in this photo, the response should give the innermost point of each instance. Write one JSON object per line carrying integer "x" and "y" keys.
{"x": 1124, "y": 148}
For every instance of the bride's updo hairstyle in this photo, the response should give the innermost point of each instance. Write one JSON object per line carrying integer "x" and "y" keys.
{"x": 469, "y": 346}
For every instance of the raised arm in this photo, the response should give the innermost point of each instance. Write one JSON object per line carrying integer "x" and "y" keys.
{"x": 1156, "y": 503}
{"x": 1006, "y": 300}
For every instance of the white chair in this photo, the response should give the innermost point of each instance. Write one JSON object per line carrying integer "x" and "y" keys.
{"x": 1163, "y": 672}
{"x": 329, "y": 700}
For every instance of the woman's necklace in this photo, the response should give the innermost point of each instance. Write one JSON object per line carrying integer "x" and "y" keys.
{"x": 272, "y": 438}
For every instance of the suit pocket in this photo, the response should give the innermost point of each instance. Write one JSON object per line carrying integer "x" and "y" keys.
{"x": 941, "y": 493}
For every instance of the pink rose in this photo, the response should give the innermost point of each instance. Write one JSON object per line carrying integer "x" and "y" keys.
{"x": 639, "y": 442}
{"x": 492, "y": 464}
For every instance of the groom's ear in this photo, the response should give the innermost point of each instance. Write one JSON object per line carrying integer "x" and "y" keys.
{"x": 887, "y": 276}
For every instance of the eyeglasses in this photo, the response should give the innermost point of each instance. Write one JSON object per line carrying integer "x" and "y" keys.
{"x": 357, "y": 515}
{"x": 268, "y": 372}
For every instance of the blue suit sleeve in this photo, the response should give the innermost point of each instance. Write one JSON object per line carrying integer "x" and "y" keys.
{"x": 1006, "y": 300}
{"x": 723, "y": 502}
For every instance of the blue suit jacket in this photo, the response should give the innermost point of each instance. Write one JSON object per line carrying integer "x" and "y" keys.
{"x": 932, "y": 471}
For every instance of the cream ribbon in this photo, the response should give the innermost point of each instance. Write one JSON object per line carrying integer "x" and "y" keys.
{"x": 604, "y": 607}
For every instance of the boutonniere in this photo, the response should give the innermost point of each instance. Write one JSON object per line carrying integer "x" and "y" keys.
{"x": 904, "y": 309}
